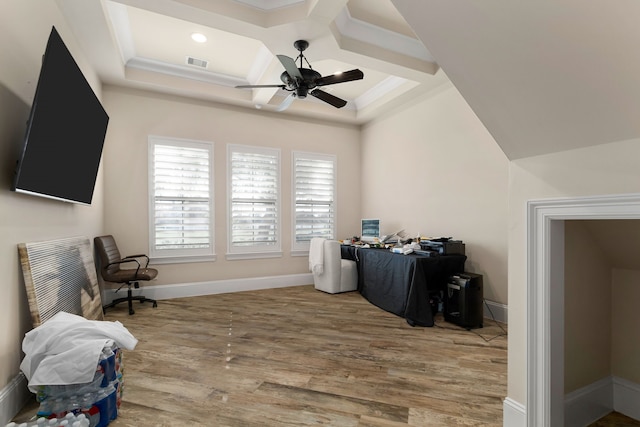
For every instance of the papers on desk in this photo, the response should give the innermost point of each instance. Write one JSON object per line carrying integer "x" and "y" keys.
{"x": 406, "y": 249}
{"x": 389, "y": 238}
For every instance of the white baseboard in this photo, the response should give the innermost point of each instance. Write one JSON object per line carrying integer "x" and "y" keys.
{"x": 495, "y": 310}
{"x": 492, "y": 310}
{"x": 588, "y": 404}
{"x": 626, "y": 396}
{"x": 514, "y": 414}
{"x": 160, "y": 292}
{"x": 13, "y": 397}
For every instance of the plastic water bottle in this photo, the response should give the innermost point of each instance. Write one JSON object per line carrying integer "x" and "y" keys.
{"x": 59, "y": 408}
{"x": 91, "y": 412}
{"x": 106, "y": 402}
{"x": 73, "y": 406}
{"x": 45, "y": 409}
{"x": 108, "y": 364}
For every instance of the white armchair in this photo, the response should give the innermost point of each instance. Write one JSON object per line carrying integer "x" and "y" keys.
{"x": 331, "y": 273}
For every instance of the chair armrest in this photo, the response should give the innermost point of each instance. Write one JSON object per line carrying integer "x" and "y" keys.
{"x": 123, "y": 261}
{"x": 126, "y": 260}
{"x": 139, "y": 256}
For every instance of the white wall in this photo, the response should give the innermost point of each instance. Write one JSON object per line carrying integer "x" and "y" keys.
{"x": 587, "y": 309}
{"x": 24, "y": 29}
{"x": 626, "y": 324}
{"x": 433, "y": 169}
{"x": 137, "y": 114}
{"x": 604, "y": 169}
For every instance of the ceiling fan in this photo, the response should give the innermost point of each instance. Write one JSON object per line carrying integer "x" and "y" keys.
{"x": 302, "y": 81}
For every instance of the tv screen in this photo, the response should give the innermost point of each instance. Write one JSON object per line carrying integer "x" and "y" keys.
{"x": 370, "y": 230}
{"x": 65, "y": 132}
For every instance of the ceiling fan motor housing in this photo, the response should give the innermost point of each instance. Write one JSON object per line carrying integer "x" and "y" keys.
{"x": 309, "y": 78}
{"x": 301, "y": 92}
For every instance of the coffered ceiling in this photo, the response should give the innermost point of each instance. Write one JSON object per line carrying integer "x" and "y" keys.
{"x": 147, "y": 44}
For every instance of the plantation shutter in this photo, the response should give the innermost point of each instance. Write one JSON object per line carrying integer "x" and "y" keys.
{"x": 182, "y": 201}
{"x": 314, "y": 186}
{"x": 254, "y": 197}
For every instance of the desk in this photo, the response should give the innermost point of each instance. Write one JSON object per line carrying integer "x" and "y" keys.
{"x": 401, "y": 284}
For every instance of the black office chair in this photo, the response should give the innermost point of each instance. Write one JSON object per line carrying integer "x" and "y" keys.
{"x": 110, "y": 261}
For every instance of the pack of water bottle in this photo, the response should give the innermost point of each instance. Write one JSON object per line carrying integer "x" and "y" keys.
{"x": 69, "y": 420}
{"x": 94, "y": 404}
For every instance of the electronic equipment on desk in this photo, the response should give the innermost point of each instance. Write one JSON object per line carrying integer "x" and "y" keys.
{"x": 444, "y": 246}
{"x": 370, "y": 229}
{"x": 426, "y": 253}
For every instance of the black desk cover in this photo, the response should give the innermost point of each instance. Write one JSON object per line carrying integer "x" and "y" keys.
{"x": 401, "y": 284}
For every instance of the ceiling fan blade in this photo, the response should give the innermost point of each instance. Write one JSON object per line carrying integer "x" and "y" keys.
{"x": 287, "y": 101}
{"x": 346, "y": 76}
{"x": 257, "y": 86}
{"x": 328, "y": 98}
{"x": 290, "y": 67}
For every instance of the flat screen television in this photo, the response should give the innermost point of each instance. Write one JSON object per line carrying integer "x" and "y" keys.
{"x": 65, "y": 131}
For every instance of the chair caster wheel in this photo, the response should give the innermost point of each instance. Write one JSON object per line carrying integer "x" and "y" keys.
{"x": 155, "y": 304}
{"x": 131, "y": 312}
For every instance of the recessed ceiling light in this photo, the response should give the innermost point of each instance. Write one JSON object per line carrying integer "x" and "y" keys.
{"x": 199, "y": 37}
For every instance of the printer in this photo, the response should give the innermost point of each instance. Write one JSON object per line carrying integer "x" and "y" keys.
{"x": 443, "y": 246}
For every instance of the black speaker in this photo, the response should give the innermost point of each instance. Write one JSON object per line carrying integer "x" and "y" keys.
{"x": 463, "y": 300}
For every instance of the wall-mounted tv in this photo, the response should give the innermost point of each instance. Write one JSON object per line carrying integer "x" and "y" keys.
{"x": 65, "y": 132}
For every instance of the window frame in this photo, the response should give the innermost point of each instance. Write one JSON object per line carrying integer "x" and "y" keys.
{"x": 169, "y": 256}
{"x": 235, "y": 252}
{"x": 302, "y": 249}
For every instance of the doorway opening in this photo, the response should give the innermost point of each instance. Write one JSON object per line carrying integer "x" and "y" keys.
{"x": 545, "y": 294}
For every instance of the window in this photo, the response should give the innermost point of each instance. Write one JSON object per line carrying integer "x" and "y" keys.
{"x": 254, "y": 202}
{"x": 314, "y": 195}
{"x": 181, "y": 200}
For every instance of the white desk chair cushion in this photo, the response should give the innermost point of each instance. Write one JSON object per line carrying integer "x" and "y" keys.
{"x": 337, "y": 274}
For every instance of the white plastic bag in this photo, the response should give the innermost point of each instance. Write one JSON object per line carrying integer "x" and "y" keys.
{"x": 66, "y": 349}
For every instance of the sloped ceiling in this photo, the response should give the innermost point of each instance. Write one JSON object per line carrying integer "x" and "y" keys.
{"x": 543, "y": 76}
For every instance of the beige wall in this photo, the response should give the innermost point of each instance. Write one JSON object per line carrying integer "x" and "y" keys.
{"x": 24, "y": 29}
{"x": 587, "y": 309}
{"x": 135, "y": 115}
{"x": 626, "y": 324}
{"x": 434, "y": 169}
{"x": 604, "y": 169}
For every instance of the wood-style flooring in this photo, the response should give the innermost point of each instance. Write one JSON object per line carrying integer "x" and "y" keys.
{"x": 299, "y": 357}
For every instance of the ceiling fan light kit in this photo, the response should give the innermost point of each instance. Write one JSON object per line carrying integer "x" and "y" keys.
{"x": 301, "y": 81}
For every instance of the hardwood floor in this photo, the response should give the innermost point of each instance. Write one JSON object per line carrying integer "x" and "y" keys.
{"x": 299, "y": 357}
{"x": 296, "y": 357}
{"x": 615, "y": 419}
